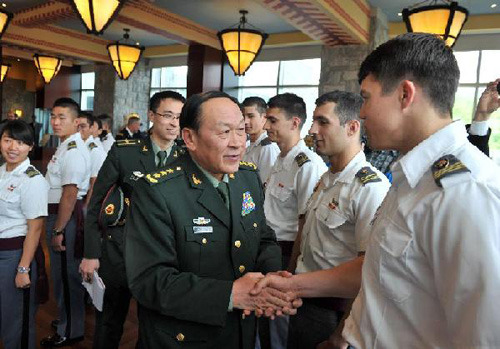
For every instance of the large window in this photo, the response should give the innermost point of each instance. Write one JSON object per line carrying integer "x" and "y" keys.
{"x": 477, "y": 68}
{"x": 169, "y": 78}
{"x": 267, "y": 79}
{"x": 87, "y": 91}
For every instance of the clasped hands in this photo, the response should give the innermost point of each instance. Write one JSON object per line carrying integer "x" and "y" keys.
{"x": 271, "y": 295}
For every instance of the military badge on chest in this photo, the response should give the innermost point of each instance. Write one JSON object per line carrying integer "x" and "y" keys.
{"x": 202, "y": 227}
{"x": 248, "y": 204}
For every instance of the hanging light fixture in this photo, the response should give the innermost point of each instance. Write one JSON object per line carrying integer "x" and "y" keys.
{"x": 5, "y": 18}
{"x": 4, "y": 70}
{"x": 124, "y": 56}
{"x": 47, "y": 66}
{"x": 241, "y": 45}
{"x": 443, "y": 18}
{"x": 96, "y": 15}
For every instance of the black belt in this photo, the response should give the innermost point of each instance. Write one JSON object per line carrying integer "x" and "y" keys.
{"x": 12, "y": 243}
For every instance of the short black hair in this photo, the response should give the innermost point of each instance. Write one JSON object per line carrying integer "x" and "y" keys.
{"x": 19, "y": 130}
{"x": 107, "y": 119}
{"x": 191, "y": 111}
{"x": 98, "y": 122}
{"x": 90, "y": 118}
{"x": 258, "y": 102}
{"x": 155, "y": 100}
{"x": 70, "y": 103}
{"x": 423, "y": 58}
{"x": 347, "y": 104}
{"x": 291, "y": 104}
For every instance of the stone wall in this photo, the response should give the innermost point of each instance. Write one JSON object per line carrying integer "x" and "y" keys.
{"x": 340, "y": 64}
{"x": 132, "y": 95}
{"x": 15, "y": 96}
{"x": 120, "y": 98}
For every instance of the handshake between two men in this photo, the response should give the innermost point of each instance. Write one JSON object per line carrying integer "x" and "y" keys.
{"x": 255, "y": 293}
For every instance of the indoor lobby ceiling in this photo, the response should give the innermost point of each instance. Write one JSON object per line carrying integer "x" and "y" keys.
{"x": 166, "y": 27}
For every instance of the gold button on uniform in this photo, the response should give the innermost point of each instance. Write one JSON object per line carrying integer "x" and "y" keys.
{"x": 109, "y": 237}
{"x": 204, "y": 241}
{"x": 241, "y": 268}
{"x": 180, "y": 337}
{"x": 237, "y": 243}
{"x": 255, "y": 225}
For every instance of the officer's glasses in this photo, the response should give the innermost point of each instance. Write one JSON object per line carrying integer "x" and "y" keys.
{"x": 168, "y": 116}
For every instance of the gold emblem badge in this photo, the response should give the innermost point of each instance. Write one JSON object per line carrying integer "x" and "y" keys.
{"x": 196, "y": 180}
{"x": 110, "y": 209}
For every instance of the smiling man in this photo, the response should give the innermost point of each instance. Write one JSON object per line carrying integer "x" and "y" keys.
{"x": 126, "y": 162}
{"x": 431, "y": 272}
{"x": 336, "y": 227}
{"x": 197, "y": 238}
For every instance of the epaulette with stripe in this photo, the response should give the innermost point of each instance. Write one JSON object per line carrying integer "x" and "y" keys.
{"x": 367, "y": 175}
{"x": 71, "y": 145}
{"x": 163, "y": 175}
{"x": 246, "y": 165}
{"x": 31, "y": 171}
{"x": 266, "y": 141}
{"x": 92, "y": 145}
{"x": 445, "y": 166}
{"x": 302, "y": 159}
{"x": 127, "y": 142}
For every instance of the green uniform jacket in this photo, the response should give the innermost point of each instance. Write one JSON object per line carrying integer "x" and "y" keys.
{"x": 124, "y": 158}
{"x": 184, "y": 249}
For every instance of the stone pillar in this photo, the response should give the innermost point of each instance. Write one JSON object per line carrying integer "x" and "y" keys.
{"x": 340, "y": 64}
{"x": 121, "y": 97}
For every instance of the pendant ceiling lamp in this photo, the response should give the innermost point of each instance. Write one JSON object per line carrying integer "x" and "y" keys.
{"x": 47, "y": 66}
{"x": 241, "y": 45}
{"x": 443, "y": 18}
{"x": 124, "y": 56}
{"x": 5, "y": 18}
{"x": 4, "y": 70}
{"x": 96, "y": 15}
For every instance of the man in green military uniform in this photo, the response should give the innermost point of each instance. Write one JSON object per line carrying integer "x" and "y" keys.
{"x": 126, "y": 162}
{"x": 197, "y": 238}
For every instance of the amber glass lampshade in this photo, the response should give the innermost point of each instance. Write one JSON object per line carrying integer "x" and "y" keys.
{"x": 124, "y": 56}
{"x": 4, "y": 70}
{"x": 47, "y": 66}
{"x": 5, "y": 18}
{"x": 241, "y": 45}
{"x": 96, "y": 15}
{"x": 445, "y": 20}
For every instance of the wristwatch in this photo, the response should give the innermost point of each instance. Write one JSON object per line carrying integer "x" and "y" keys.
{"x": 56, "y": 232}
{"x": 23, "y": 270}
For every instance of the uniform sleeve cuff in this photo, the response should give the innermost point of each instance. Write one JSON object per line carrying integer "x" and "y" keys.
{"x": 230, "y": 306}
{"x": 479, "y": 128}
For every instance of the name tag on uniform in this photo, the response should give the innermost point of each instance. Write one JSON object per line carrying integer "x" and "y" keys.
{"x": 203, "y": 230}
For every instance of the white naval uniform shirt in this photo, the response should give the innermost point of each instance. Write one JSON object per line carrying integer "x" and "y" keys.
{"x": 69, "y": 165}
{"x": 21, "y": 198}
{"x": 431, "y": 275}
{"x": 97, "y": 156}
{"x": 107, "y": 142}
{"x": 288, "y": 188}
{"x": 263, "y": 155}
{"x": 339, "y": 213}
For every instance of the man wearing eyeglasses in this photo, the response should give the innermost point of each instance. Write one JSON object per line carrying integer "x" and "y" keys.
{"x": 127, "y": 161}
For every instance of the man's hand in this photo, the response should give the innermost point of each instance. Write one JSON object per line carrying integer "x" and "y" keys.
{"x": 488, "y": 103}
{"x": 87, "y": 268}
{"x": 57, "y": 243}
{"x": 23, "y": 280}
{"x": 276, "y": 283}
{"x": 268, "y": 300}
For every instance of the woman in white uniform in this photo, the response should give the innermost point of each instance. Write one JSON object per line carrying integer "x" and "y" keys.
{"x": 23, "y": 206}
